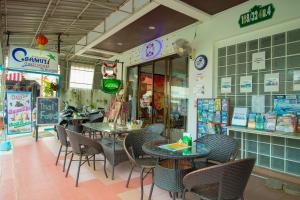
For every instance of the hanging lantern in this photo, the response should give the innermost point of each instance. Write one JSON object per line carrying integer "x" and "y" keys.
{"x": 41, "y": 41}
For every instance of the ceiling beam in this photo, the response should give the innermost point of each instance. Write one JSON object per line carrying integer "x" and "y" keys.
{"x": 78, "y": 16}
{"x": 94, "y": 57}
{"x": 102, "y": 5}
{"x": 52, "y": 12}
{"x": 117, "y": 27}
{"x": 104, "y": 51}
{"x": 42, "y": 21}
{"x": 5, "y": 11}
{"x": 185, "y": 9}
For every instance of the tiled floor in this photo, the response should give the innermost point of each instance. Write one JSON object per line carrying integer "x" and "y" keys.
{"x": 29, "y": 173}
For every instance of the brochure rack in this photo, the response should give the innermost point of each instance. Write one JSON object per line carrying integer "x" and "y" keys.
{"x": 213, "y": 116}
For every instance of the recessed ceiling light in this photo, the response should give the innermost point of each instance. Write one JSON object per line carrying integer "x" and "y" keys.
{"x": 120, "y": 43}
{"x": 151, "y": 27}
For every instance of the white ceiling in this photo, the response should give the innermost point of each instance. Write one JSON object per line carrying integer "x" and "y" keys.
{"x": 24, "y": 19}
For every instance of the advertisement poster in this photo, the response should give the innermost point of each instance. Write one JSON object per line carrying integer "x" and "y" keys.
{"x": 18, "y": 112}
{"x": 239, "y": 117}
{"x": 296, "y": 80}
{"x": 246, "y": 84}
{"x": 271, "y": 83}
{"x": 259, "y": 60}
{"x": 33, "y": 60}
{"x": 258, "y": 103}
{"x": 226, "y": 85}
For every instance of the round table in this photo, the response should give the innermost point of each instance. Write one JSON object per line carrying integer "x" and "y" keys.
{"x": 167, "y": 178}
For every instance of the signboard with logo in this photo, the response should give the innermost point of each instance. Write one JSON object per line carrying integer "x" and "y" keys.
{"x": 256, "y": 14}
{"x": 151, "y": 49}
{"x": 47, "y": 111}
{"x": 33, "y": 60}
{"x": 18, "y": 112}
{"x": 110, "y": 86}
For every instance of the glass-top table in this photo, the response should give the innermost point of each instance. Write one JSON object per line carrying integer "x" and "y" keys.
{"x": 170, "y": 178}
{"x": 197, "y": 150}
{"x": 109, "y": 128}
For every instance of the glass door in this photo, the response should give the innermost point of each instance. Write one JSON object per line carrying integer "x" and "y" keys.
{"x": 158, "y": 93}
{"x": 145, "y": 92}
{"x": 177, "y": 121}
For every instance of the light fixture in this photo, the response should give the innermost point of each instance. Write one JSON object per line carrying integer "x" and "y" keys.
{"x": 151, "y": 27}
{"x": 120, "y": 43}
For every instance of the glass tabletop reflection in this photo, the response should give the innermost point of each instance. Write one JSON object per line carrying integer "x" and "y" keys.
{"x": 108, "y": 127}
{"x": 197, "y": 150}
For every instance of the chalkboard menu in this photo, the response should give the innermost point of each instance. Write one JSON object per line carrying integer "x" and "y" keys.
{"x": 47, "y": 111}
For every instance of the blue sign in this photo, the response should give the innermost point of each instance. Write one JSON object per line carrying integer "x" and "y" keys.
{"x": 151, "y": 49}
{"x": 33, "y": 60}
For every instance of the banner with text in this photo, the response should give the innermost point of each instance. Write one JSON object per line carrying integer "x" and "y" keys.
{"x": 33, "y": 60}
{"x": 18, "y": 112}
{"x": 47, "y": 111}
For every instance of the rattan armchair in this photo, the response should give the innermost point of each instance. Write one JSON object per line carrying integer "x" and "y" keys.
{"x": 84, "y": 147}
{"x": 222, "y": 148}
{"x": 133, "y": 147}
{"x": 62, "y": 136}
{"x": 220, "y": 182}
{"x": 155, "y": 129}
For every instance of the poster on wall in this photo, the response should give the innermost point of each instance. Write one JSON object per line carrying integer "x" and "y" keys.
{"x": 246, "y": 84}
{"x": 296, "y": 80}
{"x": 259, "y": 60}
{"x": 258, "y": 104}
{"x": 33, "y": 60}
{"x": 271, "y": 83}
{"x": 18, "y": 112}
{"x": 47, "y": 110}
{"x": 226, "y": 85}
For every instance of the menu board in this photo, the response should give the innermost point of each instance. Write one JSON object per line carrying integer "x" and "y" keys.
{"x": 18, "y": 112}
{"x": 47, "y": 110}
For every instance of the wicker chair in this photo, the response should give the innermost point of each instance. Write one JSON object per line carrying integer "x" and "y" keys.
{"x": 222, "y": 149}
{"x": 157, "y": 129}
{"x": 84, "y": 146}
{"x": 224, "y": 181}
{"x": 62, "y": 136}
{"x": 133, "y": 147}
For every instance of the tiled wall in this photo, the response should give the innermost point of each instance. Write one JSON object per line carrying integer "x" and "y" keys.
{"x": 282, "y": 56}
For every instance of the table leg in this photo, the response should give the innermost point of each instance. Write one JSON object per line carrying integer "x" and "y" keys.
{"x": 175, "y": 175}
{"x": 113, "y": 163}
{"x": 36, "y": 133}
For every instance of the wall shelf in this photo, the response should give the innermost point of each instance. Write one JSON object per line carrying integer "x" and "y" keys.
{"x": 277, "y": 151}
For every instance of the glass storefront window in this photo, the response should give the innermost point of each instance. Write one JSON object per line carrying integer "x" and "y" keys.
{"x": 179, "y": 93}
{"x": 158, "y": 93}
{"x": 145, "y": 93}
{"x": 132, "y": 92}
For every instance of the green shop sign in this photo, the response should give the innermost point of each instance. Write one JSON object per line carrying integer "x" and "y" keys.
{"x": 110, "y": 86}
{"x": 256, "y": 14}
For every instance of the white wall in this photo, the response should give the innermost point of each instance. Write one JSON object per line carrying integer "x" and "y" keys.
{"x": 222, "y": 29}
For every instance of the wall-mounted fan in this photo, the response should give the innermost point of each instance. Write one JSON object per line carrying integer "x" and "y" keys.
{"x": 183, "y": 47}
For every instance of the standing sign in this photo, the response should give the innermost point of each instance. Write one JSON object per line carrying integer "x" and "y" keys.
{"x": 33, "y": 60}
{"x": 256, "y": 14}
{"x": 18, "y": 112}
{"x": 47, "y": 111}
